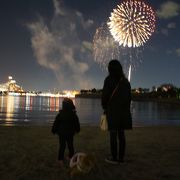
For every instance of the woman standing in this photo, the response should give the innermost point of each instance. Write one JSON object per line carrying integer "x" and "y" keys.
{"x": 116, "y": 101}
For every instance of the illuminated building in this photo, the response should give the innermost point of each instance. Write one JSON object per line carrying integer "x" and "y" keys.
{"x": 10, "y": 86}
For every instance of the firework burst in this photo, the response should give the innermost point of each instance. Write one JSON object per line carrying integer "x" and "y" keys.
{"x": 132, "y": 23}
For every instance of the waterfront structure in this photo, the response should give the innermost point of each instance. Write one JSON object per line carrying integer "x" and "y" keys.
{"x": 10, "y": 86}
{"x": 12, "y": 89}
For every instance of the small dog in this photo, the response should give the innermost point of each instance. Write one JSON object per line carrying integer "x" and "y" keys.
{"x": 81, "y": 163}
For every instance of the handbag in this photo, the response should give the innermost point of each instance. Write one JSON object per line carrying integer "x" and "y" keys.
{"x": 103, "y": 120}
{"x": 103, "y": 123}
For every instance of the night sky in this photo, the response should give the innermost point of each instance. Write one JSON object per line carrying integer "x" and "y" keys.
{"x": 47, "y": 44}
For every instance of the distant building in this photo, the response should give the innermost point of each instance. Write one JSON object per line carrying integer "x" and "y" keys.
{"x": 141, "y": 90}
{"x": 10, "y": 86}
{"x": 167, "y": 87}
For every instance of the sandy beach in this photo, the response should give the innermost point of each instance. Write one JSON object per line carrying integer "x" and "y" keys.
{"x": 28, "y": 153}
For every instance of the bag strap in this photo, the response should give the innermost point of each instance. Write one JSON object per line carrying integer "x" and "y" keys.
{"x": 115, "y": 89}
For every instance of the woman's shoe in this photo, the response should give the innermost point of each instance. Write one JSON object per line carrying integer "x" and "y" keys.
{"x": 120, "y": 160}
{"x": 111, "y": 160}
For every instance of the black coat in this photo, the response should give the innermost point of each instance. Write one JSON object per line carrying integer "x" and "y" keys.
{"x": 117, "y": 108}
{"x": 66, "y": 122}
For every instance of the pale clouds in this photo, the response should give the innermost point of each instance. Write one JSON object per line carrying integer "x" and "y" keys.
{"x": 165, "y": 31}
{"x": 168, "y": 10}
{"x": 178, "y": 52}
{"x": 168, "y": 29}
{"x": 57, "y": 7}
{"x": 171, "y": 25}
{"x": 86, "y": 24}
{"x": 43, "y": 44}
{"x": 58, "y": 46}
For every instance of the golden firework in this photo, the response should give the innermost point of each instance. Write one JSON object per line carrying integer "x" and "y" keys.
{"x": 132, "y": 23}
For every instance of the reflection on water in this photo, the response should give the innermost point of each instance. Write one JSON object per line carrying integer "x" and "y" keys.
{"x": 28, "y": 109}
{"x": 10, "y": 107}
{"x": 153, "y": 113}
{"x": 36, "y": 110}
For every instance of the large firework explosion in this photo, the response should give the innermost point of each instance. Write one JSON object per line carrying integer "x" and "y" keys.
{"x": 132, "y": 23}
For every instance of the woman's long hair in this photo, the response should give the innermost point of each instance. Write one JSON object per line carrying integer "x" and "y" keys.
{"x": 115, "y": 69}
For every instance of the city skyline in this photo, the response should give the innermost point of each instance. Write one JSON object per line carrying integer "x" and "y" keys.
{"x": 48, "y": 44}
{"x": 11, "y": 86}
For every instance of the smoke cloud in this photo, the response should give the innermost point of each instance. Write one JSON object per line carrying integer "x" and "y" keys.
{"x": 178, "y": 52}
{"x": 62, "y": 46}
{"x": 168, "y": 10}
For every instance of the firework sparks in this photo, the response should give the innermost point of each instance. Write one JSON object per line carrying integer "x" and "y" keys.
{"x": 104, "y": 47}
{"x": 132, "y": 23}
{"x": 129, "y": 73}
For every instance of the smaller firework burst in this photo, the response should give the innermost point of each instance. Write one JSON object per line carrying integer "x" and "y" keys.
{"x": 132, "y": 23}
{"x": 129, "y": 73}
{"x": 104, "y": 47}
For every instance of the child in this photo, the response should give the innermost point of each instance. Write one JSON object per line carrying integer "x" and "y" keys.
{"x": 66, "y": 124}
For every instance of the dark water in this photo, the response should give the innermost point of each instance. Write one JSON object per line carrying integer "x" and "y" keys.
{"x": 28, "y": 110}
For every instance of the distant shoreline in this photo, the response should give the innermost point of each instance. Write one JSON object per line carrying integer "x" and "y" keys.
{"x": 159, "y": 100}
{"x": 88, "y": 96}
